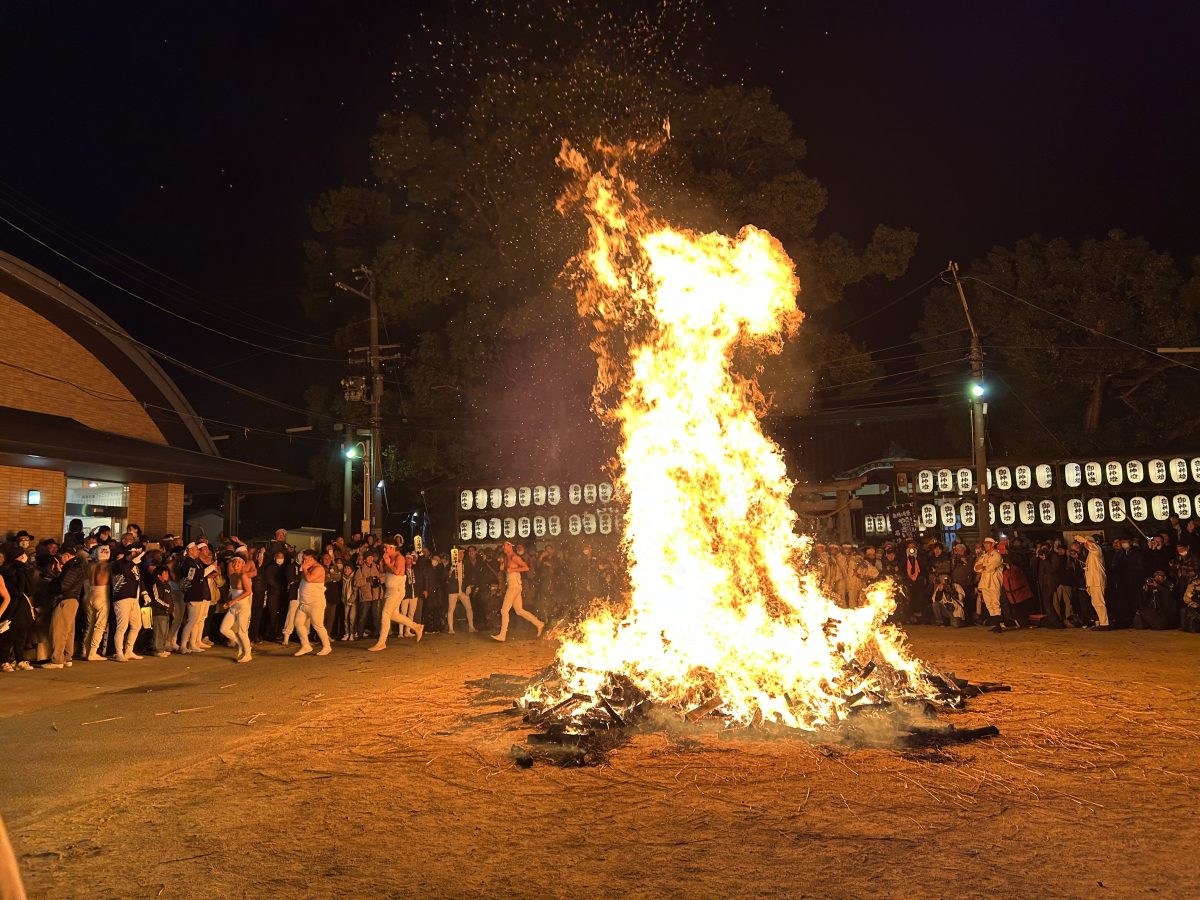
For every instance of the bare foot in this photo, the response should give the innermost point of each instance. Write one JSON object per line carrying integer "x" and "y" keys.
{"x": 324, "y": 651}
{"x": 303, "y": 651}
{"x": 375, "y": 647}
{"x": 540, "y": 627}
{"x": 420, "y": 633}
{"x": 497, "y": 637}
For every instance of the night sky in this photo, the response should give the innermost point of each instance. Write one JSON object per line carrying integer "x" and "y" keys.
{"x": 192, "y": 137}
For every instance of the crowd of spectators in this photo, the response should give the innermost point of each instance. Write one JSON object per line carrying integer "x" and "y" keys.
{"x": 98, "y": 596}
{"x": 1134, "y": 581}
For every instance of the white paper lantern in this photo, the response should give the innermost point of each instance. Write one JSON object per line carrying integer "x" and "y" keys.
{"x": 524, "y": 495}
{"x": 465, "y": 530}
{"x": 1198, "y": 504}
{"x": 1073, "y": 474}
{"x": 539, "y": 494}
{"x": 510, "y": 497}
{"x": 496, "y": 498}
{"x": 1158, "y": 471}
{"x": 1045, "y": 475}
{"x": 1095, "y": 507}
{"x": 991, "y": 513}
{"x": 1093, "y": 474}
{"x": 928, "y": 516}
{"x": 606, "y": 521}
{"x": 925, "y": 481}
{"x": 575, "y": 494}
{"x": 1075, "y": 510}
{"x": 554, "y": 526}
{"x": 1046, "y": 512}
{"x": 481, "y": 498}
{"x": 945, "y": 480}
{"x": 1003, "y": 478}
{"x": 1182, "y": 504}
{"x": 553, "y": 495}
{"x": 882, "y": 525}
{"x": 1196, "y": 469}
{"x": 869, "y": 524}
{"x": 1116, "y": 509}
{"x": 481, "y": 529}
{"x": 604, "y": 492}
{"x": 1139, "y": 509}
{"x": 510, "y": 528}
{"x": 523, "y": 527}
{"x": 1160, "y": 507}
{"x": 1008, "y": 512}
{"x": 494, "y": 529}
{"x": 949, "y": 516}
{"x": 589, "y": 493}
{"x": 466, "y": 500}
{"x": 1023, "y": 477}
{"x": 1114, "y": 472}
{"x": 1135, "y": 471}
{"x": 1025, "y": 509}
{"x": 966, "y": 512}
{"x": 574, "y": 524}
{"x": 539, "y": 526}
{"x": 1179, "y": 470}
{"x": 965, "y": 480}
{"x": 990, "y": 480}
{"x": 589, "y": 523}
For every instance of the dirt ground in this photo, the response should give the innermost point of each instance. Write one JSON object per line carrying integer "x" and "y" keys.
{"x": 393, "y": 779}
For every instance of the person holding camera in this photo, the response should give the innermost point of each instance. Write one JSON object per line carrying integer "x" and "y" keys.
{"x": 948, "y": 603}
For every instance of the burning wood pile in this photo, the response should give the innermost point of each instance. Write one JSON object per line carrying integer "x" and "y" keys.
{"x": 581, "y": 728}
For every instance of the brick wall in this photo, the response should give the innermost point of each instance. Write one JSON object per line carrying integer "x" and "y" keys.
{"x": 45, "y": 520}
{"x": 43, "y": 348}
{"x": 164, "y": 510}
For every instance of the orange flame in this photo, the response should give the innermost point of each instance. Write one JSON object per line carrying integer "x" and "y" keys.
{"x": 720, "y": 600}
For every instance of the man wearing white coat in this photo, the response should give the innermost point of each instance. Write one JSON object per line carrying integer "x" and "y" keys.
{"x": 1095, "y": 579}
{"x": 989, "y": 566}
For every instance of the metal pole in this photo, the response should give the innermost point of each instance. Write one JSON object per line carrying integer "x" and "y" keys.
{"x": 376, "y": 409}
{"x": 347, "y": 479}
{"x": 978, "y": 422}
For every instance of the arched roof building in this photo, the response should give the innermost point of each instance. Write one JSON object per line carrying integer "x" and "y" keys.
{"x": 91, "y": 425}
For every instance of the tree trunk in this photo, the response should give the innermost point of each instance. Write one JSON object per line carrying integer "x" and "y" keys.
{"x": 1091, "y": 415}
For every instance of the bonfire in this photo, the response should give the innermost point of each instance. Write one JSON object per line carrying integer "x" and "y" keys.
{"x": 723, "y": 617}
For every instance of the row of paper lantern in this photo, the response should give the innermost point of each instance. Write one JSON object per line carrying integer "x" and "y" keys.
{"x": 535, "y": 495}
{"x": 877, "y": 524}
{"x": 535, "y": 526}
{"x": 1093, "y": 474}
{"x": 1029, "y": 512}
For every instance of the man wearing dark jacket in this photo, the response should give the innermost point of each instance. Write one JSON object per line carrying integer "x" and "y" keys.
{"x": 67, "y": 589}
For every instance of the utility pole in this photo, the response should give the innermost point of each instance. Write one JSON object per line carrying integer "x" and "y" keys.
{"x": 978, "y": 411}
{"x": 374, "y": 465}
{"x": 347, "y": 479}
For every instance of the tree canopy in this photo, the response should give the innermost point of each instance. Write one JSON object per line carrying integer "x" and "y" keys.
{"x": 1069, "y": 333}
{"x": 460, "y": 228}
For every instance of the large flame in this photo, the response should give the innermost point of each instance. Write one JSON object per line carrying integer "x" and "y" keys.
{"x": 720, "y": 603}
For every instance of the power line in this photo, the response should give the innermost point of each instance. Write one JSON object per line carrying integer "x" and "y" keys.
{"x": 154, "y": 351}
{"x": 64, "y": 232}
{"x": 918, "y": 369}
{"x": 159, "y": 306}
{"x": 1111, "y": 337}
{"x": 892, "y": 303}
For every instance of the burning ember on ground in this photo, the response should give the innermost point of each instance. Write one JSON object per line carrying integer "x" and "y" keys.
{"x": 723, "y": 619}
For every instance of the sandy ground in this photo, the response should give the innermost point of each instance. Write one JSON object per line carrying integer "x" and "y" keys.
{"x": 387, "y": 774}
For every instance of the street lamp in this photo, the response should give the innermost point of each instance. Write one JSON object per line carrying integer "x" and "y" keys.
{"x": 977, "y": 390}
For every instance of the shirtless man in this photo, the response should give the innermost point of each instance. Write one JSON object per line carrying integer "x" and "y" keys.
{"x": 513, "y": 567}
{"x": 310, "y": 610}
{"x": 236, "y": 624}
{"x": 96, "y": 605}
{"x": 393, "y": 579}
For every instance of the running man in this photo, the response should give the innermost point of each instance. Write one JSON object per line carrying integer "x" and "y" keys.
{"x": 514, "y": 567}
